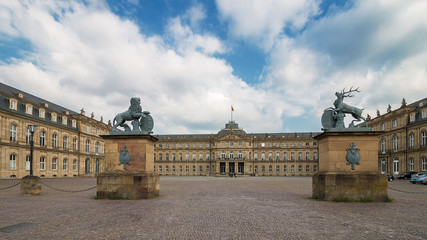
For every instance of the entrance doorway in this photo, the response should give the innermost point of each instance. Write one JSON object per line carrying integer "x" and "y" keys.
{"x": 231, "y": 167}
{"x": 240, "y": 167}
{"x": 222, "y": 168}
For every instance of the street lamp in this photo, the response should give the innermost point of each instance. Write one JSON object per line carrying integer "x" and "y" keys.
{"x": 32, "y": 129}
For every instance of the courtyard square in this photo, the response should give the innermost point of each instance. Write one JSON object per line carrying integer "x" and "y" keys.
{"x": 210, "y": 208}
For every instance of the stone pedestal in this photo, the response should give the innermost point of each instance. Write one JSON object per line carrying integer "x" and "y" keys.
{"x": 337, "y": 180}
{"x": 31, "y": 185}
{"x": 138, "y": 181}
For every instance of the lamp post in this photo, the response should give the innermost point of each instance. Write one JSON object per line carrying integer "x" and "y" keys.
{"x": 32, "y": 130}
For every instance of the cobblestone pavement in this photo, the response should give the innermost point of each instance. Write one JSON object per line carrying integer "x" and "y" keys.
{"x": 211, "y": 208}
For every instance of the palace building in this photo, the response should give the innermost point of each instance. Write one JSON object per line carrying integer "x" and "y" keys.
{"x": 403, "y": 145}
{"x": 66, "y": 143}
{"x": 233, "y": 151}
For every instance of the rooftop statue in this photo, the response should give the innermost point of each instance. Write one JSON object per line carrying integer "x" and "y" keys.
{"x": 142, "y": 122}
{"x": 333, "y": 117}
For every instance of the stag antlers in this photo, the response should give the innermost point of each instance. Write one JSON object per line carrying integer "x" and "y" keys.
{"x": 348, "y": 93}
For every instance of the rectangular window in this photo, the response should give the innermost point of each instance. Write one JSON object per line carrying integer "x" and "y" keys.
{"x": 240, "y": 155}
{"x": 262, "y": 156}
{"x": 256, "y": 156}
{"x": 74, "y": 123}
{"x": 285, "y": 144}
{"x": 13, "y": 104}
{"x": 194, "y": 157}
{"x": 12, "y": 136}
{"x": 42, "y": 163}
{"x": 65, "y": 143}
{"x": 173, "y": 156}
{"x": 187, "y": 157}
{"x": 41, "y": 113}
{"x": 382, "y": 126}
{"x": 180, "y": 157}
{"x": 54, "y": 164}
{"x": 74, "y": 165}
{"x": 160, "y": 157}
{"x": 186, "y": 168}
{"x": 411, "y": 164}
{"x": 53, "y": 119}
{"x": 270, "y": 156}
{"x": 315, "y": 168}
{"x": 12, "y": 161}
{"x": 64, "y": 164}
{"x": 200, "y": 157}
{"x": 285, "y": 156}
{"x": 395, "y": 123}
{"x": 255, "y": 144}
{"x": 29, "y": 109}
{"x": 412, "y": 118}
{"x": 240, "y": 144}
{"x": 42, "y": 139}
{"x": 207, "y": 145}
{"x": 307, "y": 144}
{"x": 424, "y": 164}
{"x": 74, "y": 144}
{"x": 27, "y": 163}
{"x": 307, "y": 168}
{"x": 300, "y": 168}
{"x": 194, "y": 145}
{"x": 97, "y": 131}
{"x": 167, "y": 156}
{"x": 87, "y": 128}
{"x": 54, "y": 141}
{"x": 207, "y": 156}
{"x": 425, "y": 113}
{"x": 64, "y": 120}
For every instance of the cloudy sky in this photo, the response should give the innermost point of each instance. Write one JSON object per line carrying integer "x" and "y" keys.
{"x": 277, "y": 62}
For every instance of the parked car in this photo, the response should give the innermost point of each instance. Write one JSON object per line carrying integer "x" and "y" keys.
{"x": 419, "y": 178}
{"x": 406, "y": 175}
{"x": 424, "y": 181}
{"x": 390, "y": 177}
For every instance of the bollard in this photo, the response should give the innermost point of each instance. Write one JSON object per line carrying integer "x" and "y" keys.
{"x": 31, "y": 185}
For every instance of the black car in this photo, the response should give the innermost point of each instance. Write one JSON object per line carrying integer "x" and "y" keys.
{"x": 390, "y": 177}
{"x": 406, "y": 175}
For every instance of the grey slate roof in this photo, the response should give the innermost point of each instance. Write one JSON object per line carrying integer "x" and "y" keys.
{"x": 7, "y": 92}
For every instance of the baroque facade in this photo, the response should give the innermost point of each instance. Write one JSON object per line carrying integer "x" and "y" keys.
{"x": 66, "y": 143}
{"x": 403, "y": 145}
{"x": 233, "y": 151}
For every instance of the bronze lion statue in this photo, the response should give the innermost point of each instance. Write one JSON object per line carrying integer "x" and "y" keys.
{"x": 133, "y": 113}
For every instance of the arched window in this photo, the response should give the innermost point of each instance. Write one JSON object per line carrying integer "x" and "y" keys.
{"x": 299, "y": 156}
{"x": 277, "y": 168}
{"x": 307, "y": 156}
{"x": 270, "y": 168}
{"x": 65, "y": 142}
{"x": 292, "y": 168}
{"x": 285, "y": 168}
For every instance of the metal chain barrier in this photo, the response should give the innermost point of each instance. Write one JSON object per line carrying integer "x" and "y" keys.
{"x": 14, "y": 185}
{"x": 62, "y": 190}
{"x": 406, "y": 191}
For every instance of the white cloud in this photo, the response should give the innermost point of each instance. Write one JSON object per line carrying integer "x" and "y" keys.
{"x": 85, "y": 56}
{"x": 263, "y": 20}
{"x": 376, "y": 45}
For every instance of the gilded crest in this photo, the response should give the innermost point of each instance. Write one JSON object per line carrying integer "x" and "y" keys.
{"x": 353, "y": 155}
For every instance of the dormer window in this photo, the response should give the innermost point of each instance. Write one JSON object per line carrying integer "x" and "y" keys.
{"x": 29, "y": 109}
{"x": 64, "y": 120}
{"x": 67, "y": 112}
{"x": 412, "y": 117}
{"x": 46, "y": 105}
{"x": 13, "y": 104}
{"x": 74, "y": 123}
{"x": 54, "y": 117}
{"x": 41, "y": 113}
{"x": 394, "y": 122}
{"x": 425, "y": 113}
